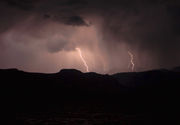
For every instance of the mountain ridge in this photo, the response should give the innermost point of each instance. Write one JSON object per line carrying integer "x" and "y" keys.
{"x": 154, "y": 94}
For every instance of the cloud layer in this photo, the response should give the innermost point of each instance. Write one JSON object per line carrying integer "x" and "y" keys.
{"x": 42, "y": 35}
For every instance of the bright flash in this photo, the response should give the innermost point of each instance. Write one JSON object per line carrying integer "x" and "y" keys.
{"x": 131, "y": 61}
{"x": 83, "y": 60}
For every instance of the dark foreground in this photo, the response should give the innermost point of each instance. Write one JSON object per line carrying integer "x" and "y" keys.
{"x": 83, "y": 118}
{"x": 71, "y": 97}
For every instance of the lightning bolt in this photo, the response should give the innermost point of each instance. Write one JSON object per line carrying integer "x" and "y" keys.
{"x": 131, "y": 61}
{"x": 84, "y": 62}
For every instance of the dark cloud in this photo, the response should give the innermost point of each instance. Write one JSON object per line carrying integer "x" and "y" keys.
{"x": 21, "y": 4}
{"x": 53, "y": 8}
{"x": 76, "y": 21}
{"x": 149, "y": 29}
{"x": 146, "y": 27}
{"x": 76, "y": 2}
{"x": 68, "y": 20}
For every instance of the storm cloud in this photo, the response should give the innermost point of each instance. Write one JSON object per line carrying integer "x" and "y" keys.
{"x": 41, "y": 35}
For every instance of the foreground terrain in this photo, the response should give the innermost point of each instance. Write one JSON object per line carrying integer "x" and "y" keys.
{"x": 71, "y": 97}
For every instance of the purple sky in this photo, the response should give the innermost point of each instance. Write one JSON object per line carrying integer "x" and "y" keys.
{"x": 42, "y": 35}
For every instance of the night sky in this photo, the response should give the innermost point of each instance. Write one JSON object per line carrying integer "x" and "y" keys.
{"x": 42, "y": 35}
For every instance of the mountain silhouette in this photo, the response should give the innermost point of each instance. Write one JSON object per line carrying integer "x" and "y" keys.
{"x": 155, "y": 91}
{"x": 177, "y": 69}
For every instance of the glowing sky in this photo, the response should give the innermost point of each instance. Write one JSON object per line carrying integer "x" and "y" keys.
{"x": 42, "y": 35}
